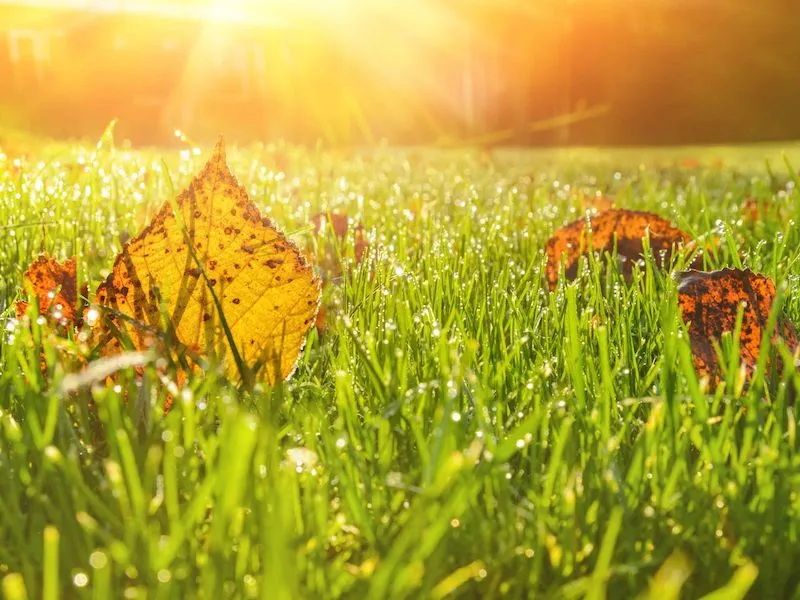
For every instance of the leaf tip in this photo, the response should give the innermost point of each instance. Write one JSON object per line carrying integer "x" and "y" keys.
{"x": 219, "y": 150}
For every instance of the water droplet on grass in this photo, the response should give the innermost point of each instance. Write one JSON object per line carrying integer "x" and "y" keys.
{"x": 98, "y": 560}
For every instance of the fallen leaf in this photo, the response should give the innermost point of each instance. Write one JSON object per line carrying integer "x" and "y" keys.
{"x": 360, "y": 243}
{"x": 709, "y": 303}
{"x": 628, "y": 227}
{"x": 327, "y": 256}
{"x": 331, "y": 230}
{"x": 759, "y": 210}
{"x": 267, "y": 292}
{"x": 338, "y": 222}
{"x": 56, "y": 286}
{"x": 690, "y": 163}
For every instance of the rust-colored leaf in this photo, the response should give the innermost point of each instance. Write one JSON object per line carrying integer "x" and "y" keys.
{"x": 709, "y": 303}
{"x": 267, "y": 292}
{"x": 627, "y": 227}
{"x": 56, "y": 286}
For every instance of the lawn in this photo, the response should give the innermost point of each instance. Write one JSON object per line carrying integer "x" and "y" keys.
{"x": 458, "y": 430}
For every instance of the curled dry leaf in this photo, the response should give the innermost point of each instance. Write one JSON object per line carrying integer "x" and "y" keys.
{"x": 56, "y": 286}
{"x": 627, "y": 227}
{"x": 267, "y": 293}
{"x": 709, "y": 303}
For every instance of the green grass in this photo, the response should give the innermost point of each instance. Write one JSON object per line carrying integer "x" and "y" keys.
{"x": 464, "y": 431}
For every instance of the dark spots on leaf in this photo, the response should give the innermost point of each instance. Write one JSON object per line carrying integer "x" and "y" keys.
{"x": 236, "y": 301}
{"x": 206, "y": 317}
{"x": 272, "y": 263}
{"x": 193, "y": 272}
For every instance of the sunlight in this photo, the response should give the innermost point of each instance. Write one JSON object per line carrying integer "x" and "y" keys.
{"x": 381, "y": 64}
{"x": 339, "y": 69}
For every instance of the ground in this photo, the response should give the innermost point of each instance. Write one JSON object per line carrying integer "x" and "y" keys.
{"x": 458, "y": 429}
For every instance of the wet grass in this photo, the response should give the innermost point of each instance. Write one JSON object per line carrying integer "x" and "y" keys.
{"x": 460, "y": 429}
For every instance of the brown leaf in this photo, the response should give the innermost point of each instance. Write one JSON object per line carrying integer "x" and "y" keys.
{"x": 337, "y": 224}
{"x": 709, "y": 303}
{"x": 628, "y": 227}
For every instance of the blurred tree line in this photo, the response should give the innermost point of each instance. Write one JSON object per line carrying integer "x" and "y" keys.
{"x": 485, "y": 72}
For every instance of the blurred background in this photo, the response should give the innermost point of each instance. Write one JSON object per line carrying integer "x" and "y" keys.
{"x": 436, "y": 72}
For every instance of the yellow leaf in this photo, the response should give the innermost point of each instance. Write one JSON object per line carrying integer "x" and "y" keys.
{"x": 218, "y": 253}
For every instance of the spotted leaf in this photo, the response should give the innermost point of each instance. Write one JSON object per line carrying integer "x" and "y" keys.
{"x": 709, "y": 304}
{"x": 625, "y": 228}
{"x": 219, "y": 277}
